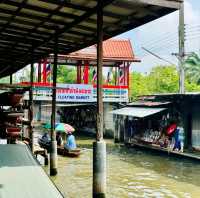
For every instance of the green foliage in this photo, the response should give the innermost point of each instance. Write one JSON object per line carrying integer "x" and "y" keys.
{"x": 192, "y": 68}
{"x": 66, "y": 74}
{"x": 161, "y": 79}
{"x": 138, "y": 85}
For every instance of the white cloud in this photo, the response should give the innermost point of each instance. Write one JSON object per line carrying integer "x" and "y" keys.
{"x": 161, "y": 36}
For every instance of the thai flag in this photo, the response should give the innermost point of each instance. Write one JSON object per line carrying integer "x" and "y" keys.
{"x": 94, "y": 75}
{"x": 121, "y": 75}
{"x": 108, "y": 79}
{"x": 48, "y": 69}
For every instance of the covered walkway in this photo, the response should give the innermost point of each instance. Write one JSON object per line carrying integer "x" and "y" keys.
{"x": 21, "y": 175}
{"x": 30, "y": 30}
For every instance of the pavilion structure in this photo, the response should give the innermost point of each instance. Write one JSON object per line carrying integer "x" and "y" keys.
{"x": 117, "y": 57}
{"x": 30, "y": 30}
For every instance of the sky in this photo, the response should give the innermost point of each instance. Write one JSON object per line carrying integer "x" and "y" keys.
{"x": 161, "y": 37}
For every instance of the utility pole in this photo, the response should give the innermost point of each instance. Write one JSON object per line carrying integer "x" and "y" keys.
{"x": 181, "y": 54}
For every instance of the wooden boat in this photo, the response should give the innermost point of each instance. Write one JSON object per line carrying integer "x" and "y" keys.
{"x": 13, "y": 132}
{"x": 60, "y": 149}
{"x": 69, "y": 153}
{"x": 10, "y": 99}
{"x": 44, "y": 143}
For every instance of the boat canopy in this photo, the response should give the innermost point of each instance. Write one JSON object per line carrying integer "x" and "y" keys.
{"x": 138, "y": 112}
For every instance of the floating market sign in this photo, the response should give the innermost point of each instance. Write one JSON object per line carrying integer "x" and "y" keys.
{"x": 74, "y": 93}
{"x": 79, "y": 93}
{"x": 64, "y": 93}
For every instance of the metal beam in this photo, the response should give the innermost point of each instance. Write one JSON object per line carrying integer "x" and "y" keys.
{"x": 68, "y": 4}
{"x": 14, "y": 15}
{"x": 75, "y": 22}
{"x": 41, "y": 9}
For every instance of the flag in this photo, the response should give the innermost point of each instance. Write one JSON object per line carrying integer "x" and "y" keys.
{"x": 121, "y": 75}
{"x": 109, "y": 75}
{"x": 48, "y": 69}
{"x": 85, "y": 74}
{"x": 94, "y": 75}
{"x": 108, "y": 79}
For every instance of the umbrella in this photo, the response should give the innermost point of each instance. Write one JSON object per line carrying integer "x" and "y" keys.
{"x": 47, "y": 125}
{"x": 63, "y": 127}
{"x": 171, "y": 129}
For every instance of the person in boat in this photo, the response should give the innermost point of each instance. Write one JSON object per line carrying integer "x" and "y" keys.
{"x": 71, "y": 143}
{"x": 59, "y": 138}
{"x": 46, "y": 137}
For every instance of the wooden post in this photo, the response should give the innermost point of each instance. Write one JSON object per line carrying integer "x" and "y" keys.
{"x": 39, "y": 102}
{"x": 31, "y": 105}
{"x": 86, "y": 72}
{"x": 44, "y": 73}
{"x": 78, "y": 78}
{"x": 39, "y": 71}
{"x": 53, "y": 152}
{"x": 99, "y": 147}
{"x": 115, "y": 75}
{"x": 11, "y": 79}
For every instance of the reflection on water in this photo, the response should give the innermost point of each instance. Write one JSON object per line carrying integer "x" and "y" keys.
{"x": 130, "y": 173}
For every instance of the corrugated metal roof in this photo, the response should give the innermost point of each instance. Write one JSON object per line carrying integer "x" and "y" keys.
{"x": 31, "y": 25}
{"x": 138, "y": 112}
{"x": 148, "y": 103}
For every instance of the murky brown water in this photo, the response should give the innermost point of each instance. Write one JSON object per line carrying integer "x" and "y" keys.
{"x": 130, "y": 173}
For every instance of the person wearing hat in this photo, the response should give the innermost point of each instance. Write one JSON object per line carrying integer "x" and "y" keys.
{"x": 70, "y": 143}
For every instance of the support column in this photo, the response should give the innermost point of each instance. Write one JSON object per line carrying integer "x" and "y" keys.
{"x": 115, "y": 75}
{"x": 53, "y": 152}
{"x": 11, "y": 79}
{"x": 86, "y": 72}
{"x": 124, "y": 72}
{"x": 78, "y": 78}
{"x": 44, "y": 72}
{"x": 39, "y": 72}
{"x": 39, "y": 102}
{"x": 99, "y": 147}
{"x": 31, "y": 105}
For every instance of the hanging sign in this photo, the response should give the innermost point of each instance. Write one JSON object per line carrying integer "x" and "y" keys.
{"x": 74, "y": 93}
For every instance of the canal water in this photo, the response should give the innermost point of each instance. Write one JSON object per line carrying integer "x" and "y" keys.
{"x": 130, "y": 173}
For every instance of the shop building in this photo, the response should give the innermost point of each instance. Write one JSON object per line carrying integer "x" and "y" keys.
{"x": 76, "y": 103}
{"x": 149, "y": 120}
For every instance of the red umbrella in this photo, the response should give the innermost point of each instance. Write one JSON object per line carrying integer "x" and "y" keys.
{"x": 171, "y": 128}
{"x": 64, "y": 127}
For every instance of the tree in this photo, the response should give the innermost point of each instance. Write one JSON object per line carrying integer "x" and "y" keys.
{"x": 192, "y": 68}
{"x": 66, "y": 74}
{"x": 163, "y": 79}
{"x": 138, "y": 85}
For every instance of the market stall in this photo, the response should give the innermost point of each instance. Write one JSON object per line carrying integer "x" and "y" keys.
{"x": 156, "y": 125}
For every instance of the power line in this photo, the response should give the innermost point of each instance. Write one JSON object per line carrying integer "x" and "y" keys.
{"x": 157, "y": 56}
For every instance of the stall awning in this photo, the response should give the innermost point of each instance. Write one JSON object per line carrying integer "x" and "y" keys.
{"x": 138, "y": 112}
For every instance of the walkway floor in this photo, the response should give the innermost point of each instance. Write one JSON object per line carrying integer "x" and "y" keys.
{"x": 21, "y": 175}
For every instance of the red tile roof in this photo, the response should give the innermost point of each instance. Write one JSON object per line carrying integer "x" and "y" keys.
{"x": 118, "y": 49}
{"x": 113, "y": 49}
